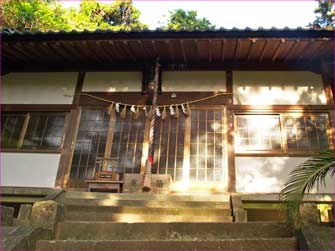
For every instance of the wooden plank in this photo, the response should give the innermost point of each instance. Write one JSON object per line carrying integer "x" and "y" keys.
{"x": 23, "y": 130}
{"x": 110, "y": 134}
{"x": 79, "y": 88}
{"x": 276, "y": 108}
{"x": 72, "y": 135}
{"x": 46, "y": 107}
{"x": 187, "y": 148}
{"x": 275, "y": 55}
{"x": 183, "y": 51}
{"x": 263, "y": 51}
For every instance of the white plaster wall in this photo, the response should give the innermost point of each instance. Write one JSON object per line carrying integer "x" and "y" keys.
{"x": 268, "y": 174}
{"x": 39, "y": 88}
{"x": 194, "y": 81}
{"x": 29, "y": 169}
{"x": 278, "y": 87}
{"x": 113, "y": 82}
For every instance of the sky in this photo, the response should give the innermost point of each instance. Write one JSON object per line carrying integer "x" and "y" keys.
{"x": 228, "y": 14}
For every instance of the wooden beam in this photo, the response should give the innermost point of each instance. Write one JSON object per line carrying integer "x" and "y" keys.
{"x": 294, "y": 45}
{"x": 231, "y": 152}
{"x": 63, "y": 175}
{"x": 79, "y": 88}
{"x": 129, "y": 51}
{"x": 106, "y": 51}
{"x": 23, "y": 130}
{"x": 235, "y": 49}
{"x": 263, "y": 51}
{"x": 252, "y": 45}
{"x": 275, "y": 55}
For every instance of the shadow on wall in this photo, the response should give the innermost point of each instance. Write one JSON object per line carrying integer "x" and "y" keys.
{"x": 284, "y": 94}
{"x": 268, "y": 174}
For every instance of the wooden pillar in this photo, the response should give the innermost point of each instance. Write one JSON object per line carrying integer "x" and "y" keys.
{"x": 70, "y": 134}
{"x": 152, "y": 115}
{"x": 110, "y": 134}
{"x": 230, "y": 137}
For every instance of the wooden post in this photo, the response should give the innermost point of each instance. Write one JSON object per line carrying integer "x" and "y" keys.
{"x": 150, "y": 160}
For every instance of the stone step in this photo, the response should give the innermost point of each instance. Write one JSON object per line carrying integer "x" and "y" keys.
{"x": 146, "y": 203}
{"x": 236, "y": 244}
{"x": 168, "y": 231}
{"x": 146, "y": 197}
{"x": 75, "y": 212}
{"x": 135, "y": 217}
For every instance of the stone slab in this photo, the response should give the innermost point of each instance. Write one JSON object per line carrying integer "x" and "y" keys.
{"x": 7, "y": 216}
{"x": 23, "y": 238}
{"x": 132, "y": 183}
{"x": 238, "y": 244}
{"x": 46, "y": 214}
{"x": 165, "y": 231}
{"x": 23, "y": 218}
{"x": 316, "y": 238}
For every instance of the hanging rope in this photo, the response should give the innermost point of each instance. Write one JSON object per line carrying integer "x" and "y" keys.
{"x": 165, "y": 106}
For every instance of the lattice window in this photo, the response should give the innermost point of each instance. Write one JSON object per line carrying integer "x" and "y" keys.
{"x": 32, "y": 130}
{"x": 44, "y": 131}
{"x": 258, "y": 133}
{"x": 11, "y": 126}
{"x": 91, "y": 143}
{"x": 207, "y": 145}
{"x": 127, "y": 145}
{"x": 306, "y": 132}
{"x": 169, "y": 146}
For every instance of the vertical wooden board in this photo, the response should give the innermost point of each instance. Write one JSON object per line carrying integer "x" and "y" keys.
{"x": 163, "y": 50}
{"x": 190, "y": 49}
{"x": 203, "y": 50}
{"x": 145, "y": 148}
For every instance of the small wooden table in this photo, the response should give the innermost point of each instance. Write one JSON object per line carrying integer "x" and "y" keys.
{"x": 105, "y": 185}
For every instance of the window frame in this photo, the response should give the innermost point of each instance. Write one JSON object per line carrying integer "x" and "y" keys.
{"x": 43, "y": 149}
{"x": 284, "y": 148}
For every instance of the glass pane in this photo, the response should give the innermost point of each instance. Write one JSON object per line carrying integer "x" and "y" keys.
{"x": 11, "y": 126}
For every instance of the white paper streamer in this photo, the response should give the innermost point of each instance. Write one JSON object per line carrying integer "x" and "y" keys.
{"x": 158, "y": 112}
{"x": 145, "y": 110}
{"x": 132, "y": 109}
{"x": 184, "y": 109}
{"x": 117, "y": 107}
{"x": 172, "y": 112}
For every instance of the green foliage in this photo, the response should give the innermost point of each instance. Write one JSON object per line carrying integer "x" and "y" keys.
{"x": 324, "y": 15}
{"x": 92, "y": 15}
{"x": 307, "y": 175}
{"x": 42, "y": 15}
{"x": 187, "y": 20}
{"x": 33, "y": 15}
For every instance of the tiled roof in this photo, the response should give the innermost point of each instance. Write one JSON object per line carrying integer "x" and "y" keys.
{"x": 266, "y": 32}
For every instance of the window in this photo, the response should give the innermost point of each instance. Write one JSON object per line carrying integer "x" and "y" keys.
{"x": 306, "y": 132}
{"x": 127, "y": 142}
{"x": 169, "y": 146}
{"x": 11, "y": 126}
{"x": 32, "y": 130}
{"x": 282, "y": 132}
{"x": 208, "y": 148}
{"x": 258, "y": 132}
